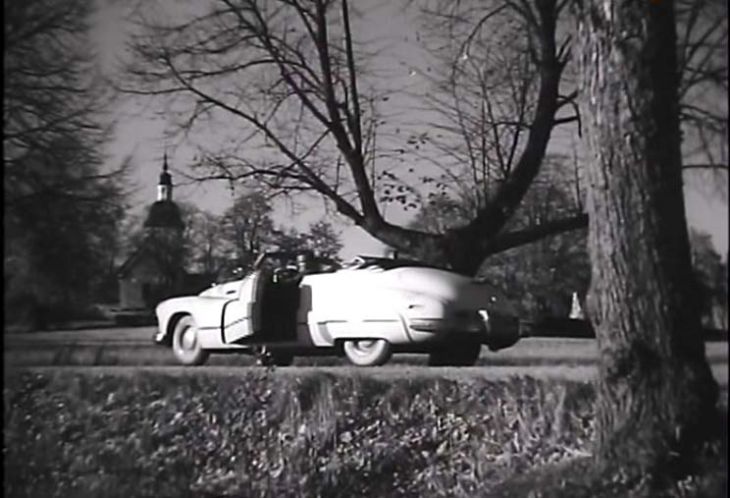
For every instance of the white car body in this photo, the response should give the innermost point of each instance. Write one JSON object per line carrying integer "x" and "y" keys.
{"x": 412, "y": 308}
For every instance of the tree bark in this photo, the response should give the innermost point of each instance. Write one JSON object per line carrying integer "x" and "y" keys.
{"x": 656, "y": 394}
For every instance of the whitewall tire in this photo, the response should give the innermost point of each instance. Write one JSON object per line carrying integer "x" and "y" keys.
{"x": 186, "y": 344}
{"x": 367, "y": 352}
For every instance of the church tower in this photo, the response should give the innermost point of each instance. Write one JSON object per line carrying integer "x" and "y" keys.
{"x": 155, "y": 271}
{"x": 164, "y": 187}
{"x": 164, "y": 213}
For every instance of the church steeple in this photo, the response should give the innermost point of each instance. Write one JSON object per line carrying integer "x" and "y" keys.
{"x": 164, "y": 186}
{"x": 164, "y": 213}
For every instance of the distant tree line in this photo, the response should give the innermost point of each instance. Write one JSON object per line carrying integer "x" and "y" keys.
{"x": 712, "y": 276}
{"x": 65, "y": 210}
{"x": 216, "y": 245}
{"x": 541, "y": 277}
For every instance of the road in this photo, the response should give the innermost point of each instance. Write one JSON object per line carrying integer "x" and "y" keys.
{"x": 118, "y": 349}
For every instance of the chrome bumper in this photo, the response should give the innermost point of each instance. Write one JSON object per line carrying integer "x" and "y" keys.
{"x": 503, "y": 331}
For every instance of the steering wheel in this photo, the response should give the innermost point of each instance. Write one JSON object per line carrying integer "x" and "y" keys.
{"x": 356, "y": 262}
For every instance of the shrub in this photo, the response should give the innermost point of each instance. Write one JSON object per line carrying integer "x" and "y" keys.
{"x": 289, "y": 434}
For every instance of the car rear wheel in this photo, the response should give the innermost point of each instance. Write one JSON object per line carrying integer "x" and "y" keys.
{"x": 185, "y": 343}
{"x": 367, "y": 352}
{"x": 455, "y": 355}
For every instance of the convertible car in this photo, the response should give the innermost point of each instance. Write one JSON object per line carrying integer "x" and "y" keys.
{"x": 366, "y": 309}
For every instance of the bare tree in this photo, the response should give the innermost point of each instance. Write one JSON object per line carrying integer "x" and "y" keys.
{"x": 202, "y": 236}
{"x": 483, "y": 88}
{"x": 711, "y": 274}
{"x": 483, "y": 70}
{"x": 321, "y": 239}
{"x": 246, "y": 228}
{"x": 53, "y": 104}
{"x": 702, "y": 34}
{"x": 60, "y": 203}
{"x": 656, "y": 393}
{"x": 541, "y": 276}
{"x": 287, "y": 74}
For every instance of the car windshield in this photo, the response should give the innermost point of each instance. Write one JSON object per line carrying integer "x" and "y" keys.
{"x": 363, "y": 262}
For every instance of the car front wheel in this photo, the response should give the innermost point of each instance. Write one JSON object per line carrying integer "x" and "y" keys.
{"x": 367, "y": 352}
{"x": 185, "y": 343}
{"x": 455, "y": 355}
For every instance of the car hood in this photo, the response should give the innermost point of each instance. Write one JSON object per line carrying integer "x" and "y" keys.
{"x": 222, "y": 290}
{"x": 188, "y": 303}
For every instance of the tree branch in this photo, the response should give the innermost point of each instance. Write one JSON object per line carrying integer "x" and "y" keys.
{"x": 495, "y": 215}
{"x": 534, "y": 233}
{"x": 706, "y": 166}
{"x": 354, "y": 123}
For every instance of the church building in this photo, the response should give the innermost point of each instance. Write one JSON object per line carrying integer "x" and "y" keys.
{"x": 155, "y": 270}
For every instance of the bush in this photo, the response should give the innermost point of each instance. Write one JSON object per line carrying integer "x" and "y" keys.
{"x": 26, "y": 312}
{"x": 21, "y": 312}
{"x": 262, "y": 434}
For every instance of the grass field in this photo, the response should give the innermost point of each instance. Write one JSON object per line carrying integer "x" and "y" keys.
{"x": 133, "y": 346}
{"x": 256, "y": 432}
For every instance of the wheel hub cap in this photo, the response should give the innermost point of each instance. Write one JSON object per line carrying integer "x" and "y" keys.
{"x": 188, "y": 338}
{"x": 364, "y": 347}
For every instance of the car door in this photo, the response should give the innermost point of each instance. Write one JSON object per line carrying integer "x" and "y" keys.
{"x": 241, "y": 317}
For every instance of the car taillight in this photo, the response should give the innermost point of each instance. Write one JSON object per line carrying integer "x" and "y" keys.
{"x": 424, "y": 324}
{"x": 469, "y": 321}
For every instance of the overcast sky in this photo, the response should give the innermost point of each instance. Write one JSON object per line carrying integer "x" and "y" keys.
{"x": 141, "y": 134}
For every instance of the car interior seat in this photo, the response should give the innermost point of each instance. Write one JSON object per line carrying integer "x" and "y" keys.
{"x": 280, "y": 301}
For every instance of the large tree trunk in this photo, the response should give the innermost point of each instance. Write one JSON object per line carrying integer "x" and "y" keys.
{"x": 656, "y": 393}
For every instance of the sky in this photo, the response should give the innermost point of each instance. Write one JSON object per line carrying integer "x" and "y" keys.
{"x": 141, "y": 133}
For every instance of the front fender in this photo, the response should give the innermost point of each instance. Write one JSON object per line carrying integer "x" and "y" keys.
{"x": 206, "y": 311}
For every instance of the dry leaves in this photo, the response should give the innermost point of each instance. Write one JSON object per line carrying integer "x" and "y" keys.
{"x": 265, "y": 435}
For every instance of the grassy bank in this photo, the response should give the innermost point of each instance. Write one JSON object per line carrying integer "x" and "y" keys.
{"x": 264, "y": 434}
